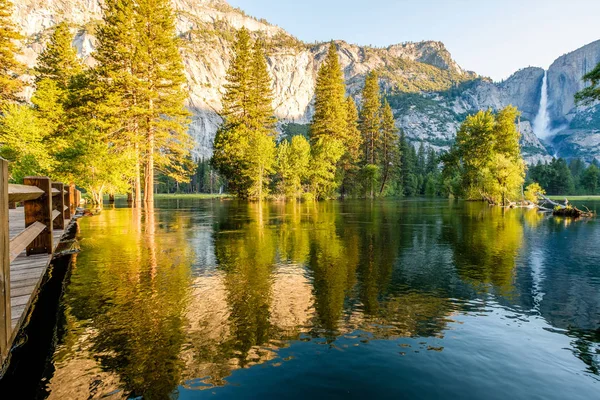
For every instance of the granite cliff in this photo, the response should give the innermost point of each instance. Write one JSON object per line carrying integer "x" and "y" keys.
{"x": 430, "y": 93}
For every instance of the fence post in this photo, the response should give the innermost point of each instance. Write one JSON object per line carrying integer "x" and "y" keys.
{"x": 40, "y": 210}
{"x": 67, "y": 201}
{"x": 77, "y": 198}
{"x": 5, "y": 315}
{"x": 72, "y": 197}
{"x": 58, "y": 202}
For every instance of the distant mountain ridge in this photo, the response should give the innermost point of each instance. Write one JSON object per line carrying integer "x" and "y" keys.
{"x": 430, "y": 93}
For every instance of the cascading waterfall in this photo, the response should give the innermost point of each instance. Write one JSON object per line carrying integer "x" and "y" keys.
{"x": 541, "y": 124}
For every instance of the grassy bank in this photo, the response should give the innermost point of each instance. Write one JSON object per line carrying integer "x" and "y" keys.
{"x": 167, "y": 196}
{"x": 575, "y": 198}
{"x": 190, "y": 196}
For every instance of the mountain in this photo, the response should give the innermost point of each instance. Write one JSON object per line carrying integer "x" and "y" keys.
{"x": 429, "y": 92}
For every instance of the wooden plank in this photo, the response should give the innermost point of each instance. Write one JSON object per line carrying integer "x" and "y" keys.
{"x": 19, "y": 243}
{"x": 55, "y": 214}
{"x": 5, "y": 306}
{"x": 40, "y": 210}
{"x": 18, "y": 193}
{"x": 55, "y": 192}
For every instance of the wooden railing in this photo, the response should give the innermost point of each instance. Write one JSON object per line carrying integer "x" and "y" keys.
{"x": 47, "y": 205}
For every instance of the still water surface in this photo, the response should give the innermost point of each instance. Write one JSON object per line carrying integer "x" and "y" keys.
{"x": 429, "y": 300}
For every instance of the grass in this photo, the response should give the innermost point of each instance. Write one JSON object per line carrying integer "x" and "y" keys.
{"x": 177, "y": 196}
{"x": 575, "y": 198}
{"x": 190, "y": 196}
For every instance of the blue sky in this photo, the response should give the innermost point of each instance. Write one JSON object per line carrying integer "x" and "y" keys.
{"x": 491, "y": 37}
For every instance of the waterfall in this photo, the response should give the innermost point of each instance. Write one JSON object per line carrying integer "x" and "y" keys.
{"x": 541, "y": 124}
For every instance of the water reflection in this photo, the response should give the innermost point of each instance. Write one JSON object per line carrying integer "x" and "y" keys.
{"x": 178, "y": 298}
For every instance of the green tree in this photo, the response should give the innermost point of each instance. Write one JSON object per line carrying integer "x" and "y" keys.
{"x": 59, "y": 62}
{"x": 592, "y": 92}
{"x": 244, "y": 147}
{"x": 23, "y": 141}
{"x": 370, "y": 122}
{"x": 57, "y": 73}
{"x": 116, "y": 89}
{"x": 388, "y": 145}
{"x": 487, "y": 156}
{"x": 293, "y": 161}
{"x": 330, "y": 119}
{"x": 159, "y": 73}
{"x": 408, "y": 156}
{"x": 353, "y": 142}
{"x": 590, "y": 179}
{"x": 329, "y": 127}
{"x": 10, "y": 68}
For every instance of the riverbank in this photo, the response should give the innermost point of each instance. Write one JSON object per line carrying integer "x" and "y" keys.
{"x": 575, "y": 198}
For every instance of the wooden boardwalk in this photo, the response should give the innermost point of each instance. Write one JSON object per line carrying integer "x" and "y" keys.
{"x": 29, "y": 236}
{"x": 26, "y": 272}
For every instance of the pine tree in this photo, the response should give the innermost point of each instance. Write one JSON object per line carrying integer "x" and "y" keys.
{"x": 329, "y": 120}
{"x": 244, "y": 147}
{"x": 231, "y": 141}
{"x": 388, "y": 144}
{"x": 56, "y": 72}
{"x": 353, "y": 142}
{"x": 10, "y": 68}
{"x": 329, "y": 126}
{"x": 116, "y": 90}
{"x": 592, "y": 92}
{"x": 158, "y": 68}
{"x": 370, "y": 118}
{"x": 59, "y": 62}
{"x": 261, "y": 123}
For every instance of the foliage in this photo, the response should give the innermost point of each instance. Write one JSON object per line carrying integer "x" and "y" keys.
{"x": 10, "y": 68}
{"x": 370, "y": 122}
{"x": 561, "y": 178}
{"x": 23, "y": 140}
{"x": 244, "y": 147}
{"x": 592, "y": 92}
{"x": 532, "y": 192}
{"x": 487, "y": 157}
{"x": 388, "y": 145}
{"x": 293, "y": 161}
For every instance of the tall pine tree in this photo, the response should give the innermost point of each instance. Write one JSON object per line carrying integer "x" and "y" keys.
{"x": 370, "y": 118}
{"x": 159, "y": 71}
{"x": 329, "y": 126}
{"x": 244, "y": 147}
{"x": 117, "y": 90}
{"x": 388, "y": 145}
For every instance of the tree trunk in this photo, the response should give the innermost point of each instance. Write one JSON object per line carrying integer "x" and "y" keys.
{"x": 138, "y": 178}
{"x": 149, "y": 178}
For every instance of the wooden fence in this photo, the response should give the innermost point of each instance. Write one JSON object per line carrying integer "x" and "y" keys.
{"x": 47, "y": 205}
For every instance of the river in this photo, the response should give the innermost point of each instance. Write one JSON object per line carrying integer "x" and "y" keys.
{"x": 388, "y": 299}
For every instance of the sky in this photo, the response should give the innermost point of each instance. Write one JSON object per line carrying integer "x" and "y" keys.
{"x": 494, "y": 38}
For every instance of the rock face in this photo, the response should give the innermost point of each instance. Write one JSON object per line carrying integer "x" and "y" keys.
{"x": 429, "y": 92}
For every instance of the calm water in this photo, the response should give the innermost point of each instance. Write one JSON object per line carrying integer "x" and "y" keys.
{"x": 435, "y": 300}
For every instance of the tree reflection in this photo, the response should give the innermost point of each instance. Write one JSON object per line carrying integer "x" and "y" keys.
{"x": 486, "y": 242}
{"x": 131, "y": 300}
{"x": 246, "y": 257}
{"x": 332, "y": 264}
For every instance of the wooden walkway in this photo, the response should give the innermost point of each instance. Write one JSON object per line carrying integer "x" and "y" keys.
{"x": 26, "y": 272}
